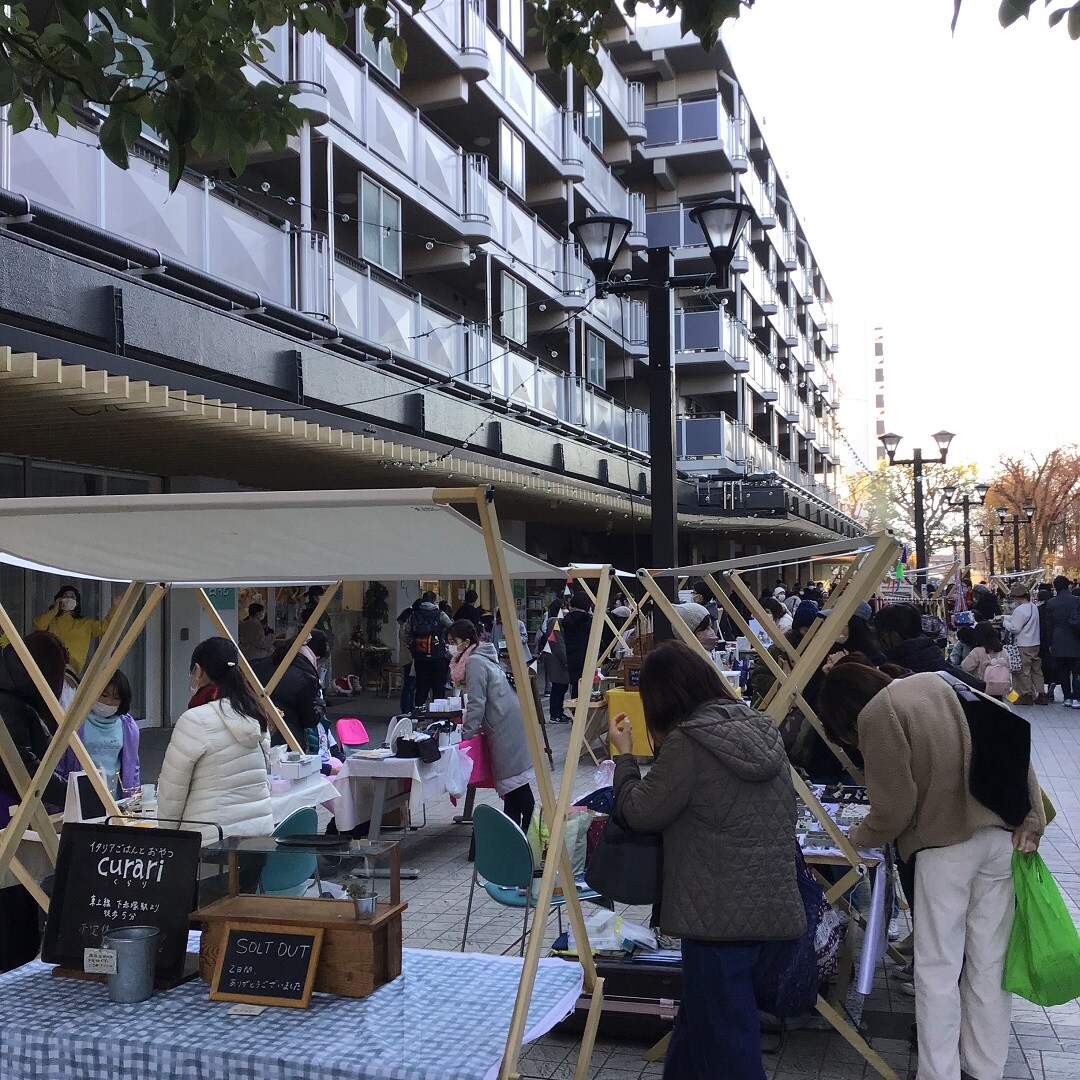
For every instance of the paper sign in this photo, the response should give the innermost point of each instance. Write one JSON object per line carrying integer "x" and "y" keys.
{"x": 99, "y": 961}
{"x": 247, "y": 1010}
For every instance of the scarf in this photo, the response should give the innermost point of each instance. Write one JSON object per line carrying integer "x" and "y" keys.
{"x": 457, "y": 665}
{"x": 309, "y": 656}
{"x": 209, "y": 692}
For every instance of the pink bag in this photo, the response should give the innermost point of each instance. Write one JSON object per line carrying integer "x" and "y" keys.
{"x": 481, "y": 765}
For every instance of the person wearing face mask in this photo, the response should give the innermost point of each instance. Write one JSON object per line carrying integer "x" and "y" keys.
{"x": 111, "y": 737}
{"x": 66, "y": 620}
{"x": 493, "y": 709}
{"x": 298, "y": 694}
{"x": 215, "y": 767}
{"x": 697, "y": 617}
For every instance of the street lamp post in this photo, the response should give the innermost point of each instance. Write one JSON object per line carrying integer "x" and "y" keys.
{"x": 916, "y": 461}
{"x": 988, "y": 536}
{"x": 603, "y": 238}
{"x": 1016, "y": 521}
{"x": 965, "y": 504}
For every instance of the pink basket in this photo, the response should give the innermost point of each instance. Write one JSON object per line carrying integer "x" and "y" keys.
{"x": 481, "y": 765}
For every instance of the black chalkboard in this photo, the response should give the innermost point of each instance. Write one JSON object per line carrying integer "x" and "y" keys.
{"x": 116, "y": 875}
{"x": 265, "y": 964}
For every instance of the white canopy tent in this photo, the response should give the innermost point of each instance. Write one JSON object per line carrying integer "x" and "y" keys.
{"x": 297, "y": 537}
{"x": 253, "y": 538}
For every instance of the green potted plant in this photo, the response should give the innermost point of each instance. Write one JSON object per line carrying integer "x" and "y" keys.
{"x": 376, "y": 611}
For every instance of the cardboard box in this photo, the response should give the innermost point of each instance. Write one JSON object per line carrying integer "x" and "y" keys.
{"x": 296, "y": 770}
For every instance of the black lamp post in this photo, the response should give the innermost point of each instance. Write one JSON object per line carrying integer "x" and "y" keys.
{"x": 602, "y": 238}
{"x": 1016, "y": 520}
{"x": 988, "y": 536}
{"x": 965, "y": 504}
{"x": 916, "y": 461}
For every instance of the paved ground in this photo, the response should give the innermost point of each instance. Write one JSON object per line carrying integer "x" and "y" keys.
{"x": 1046, "y": 1042}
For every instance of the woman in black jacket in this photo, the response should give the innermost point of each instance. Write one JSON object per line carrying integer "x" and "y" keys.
{"x": 298, "y": 695}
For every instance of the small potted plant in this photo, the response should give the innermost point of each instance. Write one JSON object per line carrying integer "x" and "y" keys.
{"x": 364, "y": 901}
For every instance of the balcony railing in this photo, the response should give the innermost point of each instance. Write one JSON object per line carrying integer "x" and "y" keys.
{"x": 601, "y": 186}
{"x": 672, "y": 227}
{"x": 704, "y": 332}
{"x": 762, "y": 286}
{"x": 762, "y": 373}
{"x": 684, "y": 122}
{"x": 761, "y": 197}
{"x": 638, "y": 235}
{"x": 707, "y": 437}
{"x": 625, "y": 99}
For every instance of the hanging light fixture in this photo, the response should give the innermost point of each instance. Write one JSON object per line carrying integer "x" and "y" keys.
{"x": 943, "y": 440}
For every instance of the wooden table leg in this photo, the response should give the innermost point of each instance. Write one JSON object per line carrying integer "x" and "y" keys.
{"x": 234, "y": 873}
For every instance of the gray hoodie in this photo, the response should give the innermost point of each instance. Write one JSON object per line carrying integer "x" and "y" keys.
{"x": 720, "y": 792}
{"x": 493, "y": 708}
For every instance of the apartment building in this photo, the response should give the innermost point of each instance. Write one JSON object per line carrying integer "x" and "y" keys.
{"x": 396, "y": 298}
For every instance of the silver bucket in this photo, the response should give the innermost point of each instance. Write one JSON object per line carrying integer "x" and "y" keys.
{"x": 136, "y": 959}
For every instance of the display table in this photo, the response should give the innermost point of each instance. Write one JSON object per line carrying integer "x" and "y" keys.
{"x": 412, "y": 1027}
{"x": 314, "y": 790}
{"x": 364, "y": 784}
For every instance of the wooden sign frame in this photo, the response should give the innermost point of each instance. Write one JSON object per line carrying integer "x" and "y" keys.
{"x": 314, "y": 932}
{"x": 631, "y": 665}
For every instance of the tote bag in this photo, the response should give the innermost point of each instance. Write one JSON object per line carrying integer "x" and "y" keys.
{"x": 626, "y": 866}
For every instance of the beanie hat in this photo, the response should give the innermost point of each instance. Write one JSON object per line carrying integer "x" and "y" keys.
{"x": 804, "y": 616}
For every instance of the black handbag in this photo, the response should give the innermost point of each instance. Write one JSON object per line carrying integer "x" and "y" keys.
{"x": 626, "y": 866}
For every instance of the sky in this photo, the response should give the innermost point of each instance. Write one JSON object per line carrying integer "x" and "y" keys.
{"x": 938, "y": 180}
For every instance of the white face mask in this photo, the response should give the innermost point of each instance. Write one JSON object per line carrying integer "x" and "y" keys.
{"x": 67, "y": 603}
{"x": 452, "y": 650}
{"x": 104, "y": 711}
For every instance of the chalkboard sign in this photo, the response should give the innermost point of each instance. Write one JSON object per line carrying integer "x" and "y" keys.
{"x": 267, "y": 964}
{"x": 632, "y": 673}
{"x": 111, "y": 876}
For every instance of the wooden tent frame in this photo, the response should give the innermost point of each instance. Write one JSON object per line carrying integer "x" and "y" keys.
{"x": 582, "y": 575}
{"x": 858, "y": 583}
{"x": 117, "y": 642}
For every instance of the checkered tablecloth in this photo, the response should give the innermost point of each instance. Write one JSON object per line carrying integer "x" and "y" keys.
{"x": 445, "y": 1018}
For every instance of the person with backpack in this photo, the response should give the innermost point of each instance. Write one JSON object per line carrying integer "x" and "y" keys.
{"x": 721, "y": 795}
{"x": 988, "y": 661}
{"x": 916, "y": 743}
{"x": 426, "y": 638}
{"x": 1063, "y": 632}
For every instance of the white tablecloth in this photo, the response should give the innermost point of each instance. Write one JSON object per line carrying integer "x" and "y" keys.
{"x": 355, "y": 782}
{"x": 314, "y": 790}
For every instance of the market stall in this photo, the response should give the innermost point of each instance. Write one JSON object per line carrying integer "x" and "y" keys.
{"x": 872, "y": 557}
{"x": 211, "y": 540}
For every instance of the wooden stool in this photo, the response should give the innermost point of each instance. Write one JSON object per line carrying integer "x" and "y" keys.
{"x": 394, "y": 676}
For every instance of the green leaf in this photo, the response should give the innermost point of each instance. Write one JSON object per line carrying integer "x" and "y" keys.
{"x": 237, "y": 157}
{"x": 49, "y": 120}
{"x": 1011, "y": 10}
{"x": 111, "y": 139}
{"x": 177, "y": 160}
{"x": 399, "y": 53}
{"x": 1074, "y": 22}
{"x": 1056, "y": 16}
{"x": 20, "y": 115}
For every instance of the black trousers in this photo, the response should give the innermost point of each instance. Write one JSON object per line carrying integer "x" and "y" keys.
{"x": 518, "y": 806}
{"x": 431, "y": 676}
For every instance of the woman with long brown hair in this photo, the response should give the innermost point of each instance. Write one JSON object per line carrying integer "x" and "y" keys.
{"x": 720, "y": 793}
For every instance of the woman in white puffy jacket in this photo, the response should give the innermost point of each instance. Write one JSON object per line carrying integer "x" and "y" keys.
{"x": 215, "y": 769}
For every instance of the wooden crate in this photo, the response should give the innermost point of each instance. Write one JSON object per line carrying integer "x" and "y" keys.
{"x": 358, "y": 955}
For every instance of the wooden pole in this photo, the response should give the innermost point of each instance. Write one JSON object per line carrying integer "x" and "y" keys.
{"x": 273, "y": 713}
{"x": 95, "y": 680}
{"x": 558, "y": 856}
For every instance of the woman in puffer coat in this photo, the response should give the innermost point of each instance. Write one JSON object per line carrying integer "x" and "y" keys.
{"x": 215, "y": 768}
{"x": 494, "y": 710}
{"x": 720, "y": 792}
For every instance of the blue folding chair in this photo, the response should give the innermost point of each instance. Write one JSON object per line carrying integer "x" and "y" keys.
{"x": 289, "y": 873}
{"x": 504, "y": 860}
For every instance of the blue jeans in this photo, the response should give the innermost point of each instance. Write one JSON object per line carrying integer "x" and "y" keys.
{"x": 717, "y": 1035}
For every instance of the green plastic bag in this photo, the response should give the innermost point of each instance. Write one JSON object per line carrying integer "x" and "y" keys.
{"x": 1042, "y": 963}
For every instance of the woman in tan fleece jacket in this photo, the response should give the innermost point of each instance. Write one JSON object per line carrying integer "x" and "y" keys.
{"x": 916, "y": 745}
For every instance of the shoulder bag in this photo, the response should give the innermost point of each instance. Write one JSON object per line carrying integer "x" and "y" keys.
{"x": 626, "y": 866}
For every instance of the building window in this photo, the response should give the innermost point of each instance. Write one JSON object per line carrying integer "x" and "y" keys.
{"x": 514, "y": 324}
{"x": 379, "y": 57}
{"x": 512, "y": 22}
{"x": 594, "y": 120}
{"x": 380, "y": 227}
{"x": 511, "y": 158}
{"x": 595, "y": 359}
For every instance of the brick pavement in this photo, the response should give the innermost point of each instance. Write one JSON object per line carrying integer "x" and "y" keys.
{"x": 1045, "y": 1044}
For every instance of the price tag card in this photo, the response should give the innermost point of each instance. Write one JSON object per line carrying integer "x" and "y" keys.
{"x": 99, "y": 961}
{"x": 247, "y": 1010}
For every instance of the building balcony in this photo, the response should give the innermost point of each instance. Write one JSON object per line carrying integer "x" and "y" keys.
{"x": 711, "y": 339}
{"x": 762, "y": 374}
{"x": 819, "y": 316}
{"x": 695, "y": 137}
{"x": 762, "y": 198}
{"x": 760, "y": 284}
{"x": 788, "y": 254}
{"x": 460, "y": 30}
{"x": 788, "y": 403}
{"x": 832, "y": 342}
{"x": 624, "y": 99}
{"x": 807, "y": 289}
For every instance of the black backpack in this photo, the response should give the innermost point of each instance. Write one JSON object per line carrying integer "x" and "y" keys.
{"x": 426, "y": 633}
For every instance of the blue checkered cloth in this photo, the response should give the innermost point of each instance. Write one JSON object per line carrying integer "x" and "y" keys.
{"x": 445, "y": 1018}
